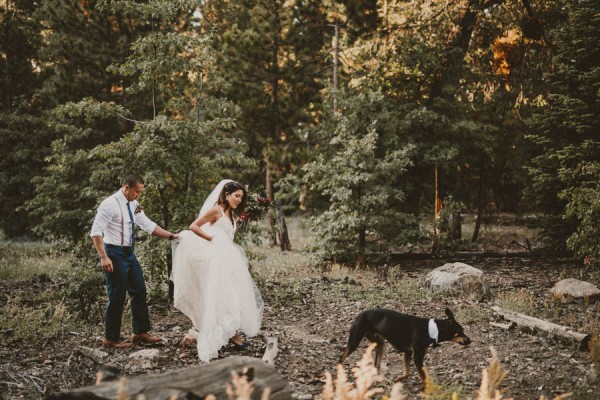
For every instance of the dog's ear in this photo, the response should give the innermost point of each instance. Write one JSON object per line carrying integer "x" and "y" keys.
{"x": 449, "y": 314}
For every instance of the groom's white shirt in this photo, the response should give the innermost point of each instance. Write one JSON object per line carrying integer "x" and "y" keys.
{"x": 108, "y": 222}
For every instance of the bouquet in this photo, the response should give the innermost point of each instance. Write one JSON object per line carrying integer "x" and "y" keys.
{"x": 257, "y": 207}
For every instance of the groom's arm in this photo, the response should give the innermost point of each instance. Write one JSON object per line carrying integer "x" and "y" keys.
{"x": 142, "y": 220}
{"x": 163, "y": 233}
{"x": 98, "y": 228}
{"x": 105, "y": 261}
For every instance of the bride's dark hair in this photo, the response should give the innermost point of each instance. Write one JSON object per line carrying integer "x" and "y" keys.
{"x": 229, "y": 188}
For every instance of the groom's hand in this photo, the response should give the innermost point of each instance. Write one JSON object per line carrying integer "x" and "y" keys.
{"x": 106, "y": 263}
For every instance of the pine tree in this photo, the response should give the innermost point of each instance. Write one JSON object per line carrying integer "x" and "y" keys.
{"x": 360, "y": 174}
{"x": 564, "y": 173}
{"x": 181, "y": 145}
{"x": 24, "y": 139}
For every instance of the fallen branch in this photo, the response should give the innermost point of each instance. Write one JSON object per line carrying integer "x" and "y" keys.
{"x": 525, "y": 321}
{"x": 95, "y": 355}
{"x": 270, "y": 351}
{"x": 506, "y": 327}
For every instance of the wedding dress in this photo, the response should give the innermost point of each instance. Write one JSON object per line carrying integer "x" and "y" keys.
{"x": 213, "y": 286}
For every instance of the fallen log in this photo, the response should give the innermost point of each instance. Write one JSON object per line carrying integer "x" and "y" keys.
{"x": 525, "y": 321}
{"x": 195, "y": 382}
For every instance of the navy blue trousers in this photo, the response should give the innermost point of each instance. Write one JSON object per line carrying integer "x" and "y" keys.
{"x": 127, "y": 277}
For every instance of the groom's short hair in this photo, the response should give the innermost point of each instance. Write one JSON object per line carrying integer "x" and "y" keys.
{"x": 132, "y": 180}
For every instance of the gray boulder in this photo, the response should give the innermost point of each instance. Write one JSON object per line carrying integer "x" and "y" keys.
{"x": 459, "y": 278}
{"x": 144, "y": 359}
{"x": 571, "y": 290}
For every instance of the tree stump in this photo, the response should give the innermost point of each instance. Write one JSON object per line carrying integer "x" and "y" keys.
{"x": 189, "y": 383}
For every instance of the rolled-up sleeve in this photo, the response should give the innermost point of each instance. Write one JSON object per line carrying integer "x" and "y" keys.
{"x": 144, "y": 222}
{"x": 101, "y": 220}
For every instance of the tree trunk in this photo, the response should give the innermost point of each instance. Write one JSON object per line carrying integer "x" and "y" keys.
{"x": 270, "y": 195}
{"x": 189, "y": 383}
{"x": 526, "y": 321}
{"x": 455, "y": 226}
{"x": 284, "y": 239}
{"x": 167, "y": 222}
{"x": 480, "y": 205}
{"x": 452, "y": 59}
{"x": 362, "y": 236}
{"x": 437, "y": 209}
{"x": 336, "y": 50}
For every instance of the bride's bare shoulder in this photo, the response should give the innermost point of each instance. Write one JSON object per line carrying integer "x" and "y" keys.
{"x": 214, "y": 213}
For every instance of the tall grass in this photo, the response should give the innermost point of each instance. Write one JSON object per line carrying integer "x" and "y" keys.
{"x": 23, "y": 260}
{"x": 21, "y": 322}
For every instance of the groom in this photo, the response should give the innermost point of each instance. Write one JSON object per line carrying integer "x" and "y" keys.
{"x": 113, "y": 235}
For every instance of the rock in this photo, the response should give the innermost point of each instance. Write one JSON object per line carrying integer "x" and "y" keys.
{"x": 572, "y": 290}
{"x": 144, "y": 359}
{"x": 190, "y": 337}
{"x": 459, "y": 278}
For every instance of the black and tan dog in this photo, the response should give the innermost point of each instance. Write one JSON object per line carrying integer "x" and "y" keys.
{"x": 408, "y": 334}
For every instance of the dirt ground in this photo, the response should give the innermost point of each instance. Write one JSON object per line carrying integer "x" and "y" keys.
{"x": 310, "y": 316}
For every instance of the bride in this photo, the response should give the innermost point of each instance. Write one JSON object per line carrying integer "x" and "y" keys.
{"x": 213, "y": 286}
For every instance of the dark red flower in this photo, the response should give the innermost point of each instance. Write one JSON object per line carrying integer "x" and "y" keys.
{"x": 245, "y": 217}
{"x": 267, "y": 201}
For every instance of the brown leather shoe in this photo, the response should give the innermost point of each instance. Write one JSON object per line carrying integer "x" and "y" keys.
{"x": 116, "y": 345}
{"x": 144, "y": 338}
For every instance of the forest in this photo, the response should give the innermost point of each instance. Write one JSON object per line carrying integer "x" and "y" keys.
{"x": 377, "y": 130}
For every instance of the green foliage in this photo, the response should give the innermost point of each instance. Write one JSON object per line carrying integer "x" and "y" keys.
{"x": 274, "y": 55}
{"x": 64, "y": 196}
{"x": 24, "y": 140}
{"x": 22, "y": 159}
{"x": 449, "y": 235}
{"x": 564, "y": 171}
{"x": 582, "y": 198}
{"x": 360, "y": 174}
{"x": 83, "y": 294}
{"x": 19, "y": 44}
{"x": 80, "y": 43}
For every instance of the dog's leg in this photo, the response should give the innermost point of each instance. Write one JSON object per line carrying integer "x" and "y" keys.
{"x": 377, "y": 338}
{"x": 344, "y": 355}
{"x": 406, "y": 356}
{"x": 357, "y": 332}
{"x": 419, "y": 358}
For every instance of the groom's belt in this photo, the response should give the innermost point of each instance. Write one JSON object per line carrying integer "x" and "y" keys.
{"x": 114, "y": 246}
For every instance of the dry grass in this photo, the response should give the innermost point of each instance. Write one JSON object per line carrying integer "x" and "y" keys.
{"x": 366, "y": 377}
{"x": 499, "y": 235}
{"x": 26, "y": 323}
{"x": 23, "y": 260}
{"x": 520, "y": 300}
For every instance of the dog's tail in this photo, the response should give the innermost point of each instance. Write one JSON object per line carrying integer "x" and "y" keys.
{"x": 358, "y": 330}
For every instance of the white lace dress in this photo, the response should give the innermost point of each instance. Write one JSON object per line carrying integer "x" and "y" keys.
{"x": 214, "y": 288}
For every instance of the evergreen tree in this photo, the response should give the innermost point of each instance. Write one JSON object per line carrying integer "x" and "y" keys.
{"x": 564, "y": 172}
{"x": 24, "y": 141}
{"x": 271, "y": 54}
{"x": 81, "y": 42}
{"x": 360, "y": 173}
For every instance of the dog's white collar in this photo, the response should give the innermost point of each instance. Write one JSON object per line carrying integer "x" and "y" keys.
{"x": 433, "y": 330}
